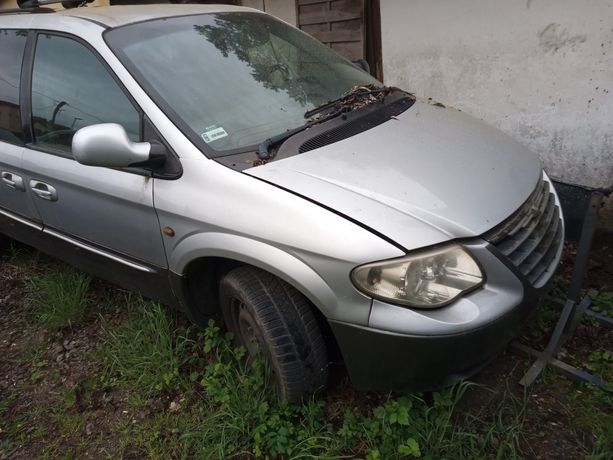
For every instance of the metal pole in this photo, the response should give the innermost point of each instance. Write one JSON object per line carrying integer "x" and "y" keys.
{"x": 571, "y": 313}
{"x": 583, "y": 255}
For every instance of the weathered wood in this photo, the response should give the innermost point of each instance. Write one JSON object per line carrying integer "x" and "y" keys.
{"x": 327, "y": 16}
{"x": 315, "y": 28}
{"x": 310, "y": 2}
{"x": 353, "y": 6}
{"x": 334, "y": 36}
{"x": 350, "y": 50}
{"x": 339, "y": 24}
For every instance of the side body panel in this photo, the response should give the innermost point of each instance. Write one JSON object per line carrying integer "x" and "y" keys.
{"x": 216, "y": 211}
{"x": 152, "y": 282}
{"x": 103, "y": 221}
{"x": 224, "y": 213}
{"x": 111, "y": 208}
{"x": 15, "y": 197}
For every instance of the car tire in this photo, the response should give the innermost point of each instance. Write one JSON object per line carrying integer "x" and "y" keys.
{"x": 265, "y": 313}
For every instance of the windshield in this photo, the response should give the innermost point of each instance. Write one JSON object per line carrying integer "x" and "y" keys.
{"x": 232, "y": 80}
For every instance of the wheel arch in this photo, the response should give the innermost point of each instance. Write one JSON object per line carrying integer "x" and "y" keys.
{"x": 209, "y": 256}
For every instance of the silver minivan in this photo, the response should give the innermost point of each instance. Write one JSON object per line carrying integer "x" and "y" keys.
{"x": 219, "y": 160}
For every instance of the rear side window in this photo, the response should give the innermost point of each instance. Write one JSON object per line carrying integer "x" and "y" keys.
{"x": 12, "y": 45}
{"x": 72, "y": 89}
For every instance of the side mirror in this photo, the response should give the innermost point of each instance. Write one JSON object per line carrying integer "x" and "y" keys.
{"x": 108, "y": 145}
{"x": 362, "y": 64}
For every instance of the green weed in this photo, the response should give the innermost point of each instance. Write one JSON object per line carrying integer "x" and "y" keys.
{"x": 499, "y": 431}
{"x": 146, "y": 352}
{"x": 409, "y": 427}
{"x": 230, "y": 410}
{"x": 603, "y": 303}
{"x": 60, "y": 297}
{"x": 200, "y": 397}
{"x": 593, "y": 420}
{"x": 19, "y": 254}
{"x": 5, "y": 403}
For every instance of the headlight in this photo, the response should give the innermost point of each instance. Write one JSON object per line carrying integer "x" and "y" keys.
{"x": 426, "y": 279}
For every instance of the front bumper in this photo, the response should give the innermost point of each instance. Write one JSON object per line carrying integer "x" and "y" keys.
{"x": 404, "y": 349}
{"x": 381, "y": 360}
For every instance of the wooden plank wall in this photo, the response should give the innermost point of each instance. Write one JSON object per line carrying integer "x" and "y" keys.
{"x": 338, "y": 23}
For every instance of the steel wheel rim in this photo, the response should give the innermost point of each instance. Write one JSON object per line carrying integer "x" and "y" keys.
{"x": 246, "y": 327}
{"x": 249, "y": 337}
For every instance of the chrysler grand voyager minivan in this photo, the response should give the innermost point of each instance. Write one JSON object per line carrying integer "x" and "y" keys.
{"x": 218, "y": 160}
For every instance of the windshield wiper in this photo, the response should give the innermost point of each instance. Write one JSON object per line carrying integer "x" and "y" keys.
{"x": 344, "y": 98}
{"x": 264, "y": 148}
{"x": 355, "y": 94}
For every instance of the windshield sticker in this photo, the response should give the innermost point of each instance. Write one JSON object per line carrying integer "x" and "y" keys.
{"x": 213, "y": 133}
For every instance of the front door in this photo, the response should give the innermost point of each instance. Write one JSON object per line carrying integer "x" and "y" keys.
{"x": 102, "y": 211}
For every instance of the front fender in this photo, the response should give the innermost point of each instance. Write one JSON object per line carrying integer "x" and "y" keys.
{"x": 244, "y": 219}
{"x": 258, "y": 254}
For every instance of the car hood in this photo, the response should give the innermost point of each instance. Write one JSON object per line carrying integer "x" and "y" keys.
{"x": 427, "y": 176}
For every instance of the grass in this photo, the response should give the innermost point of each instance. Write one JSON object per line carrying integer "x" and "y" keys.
{"x": 598, "y": 434}
{"x": 225, "y": 408}
{"x": 182, "y": 393}
{"x": 503, "y": 428}
{"x": 146, "y": 351}
{"x": 59, "y": 297}
{"x": 602, "y": 302}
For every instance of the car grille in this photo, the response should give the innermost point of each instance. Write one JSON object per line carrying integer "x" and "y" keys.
{"x": 531, "y": 237}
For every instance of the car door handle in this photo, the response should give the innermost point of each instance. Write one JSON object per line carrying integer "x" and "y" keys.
{"x": 12, "y": 180}
{"x": 44, "y": 191}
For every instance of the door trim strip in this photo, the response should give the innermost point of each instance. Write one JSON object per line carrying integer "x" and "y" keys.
{"x": 76, "y": 242}
{"x": 97, "y": 251}
{"x": 21, "y": 220}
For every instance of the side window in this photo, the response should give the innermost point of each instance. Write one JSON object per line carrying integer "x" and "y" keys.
{"x": 12, "y": 45}
{"x": 71, "y": 89}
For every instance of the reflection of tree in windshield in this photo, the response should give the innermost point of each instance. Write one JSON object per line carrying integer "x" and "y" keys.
{"x": 273, "y": 61}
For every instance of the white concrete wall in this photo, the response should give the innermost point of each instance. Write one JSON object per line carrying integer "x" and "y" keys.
{"x": 540, "y": 70}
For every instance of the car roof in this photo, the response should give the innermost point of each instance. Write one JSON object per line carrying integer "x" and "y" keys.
{"x": 119, "y": 15}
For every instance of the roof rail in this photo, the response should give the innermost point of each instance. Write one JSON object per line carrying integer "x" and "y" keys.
{"x": 36, "y": 6}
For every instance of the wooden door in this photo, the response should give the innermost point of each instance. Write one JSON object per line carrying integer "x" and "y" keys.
{"x": 339, "y": 24}
{"x": 349, "y": 27}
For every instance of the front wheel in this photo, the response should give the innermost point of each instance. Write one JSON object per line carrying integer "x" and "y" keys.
{"x": 267, "y": 314}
